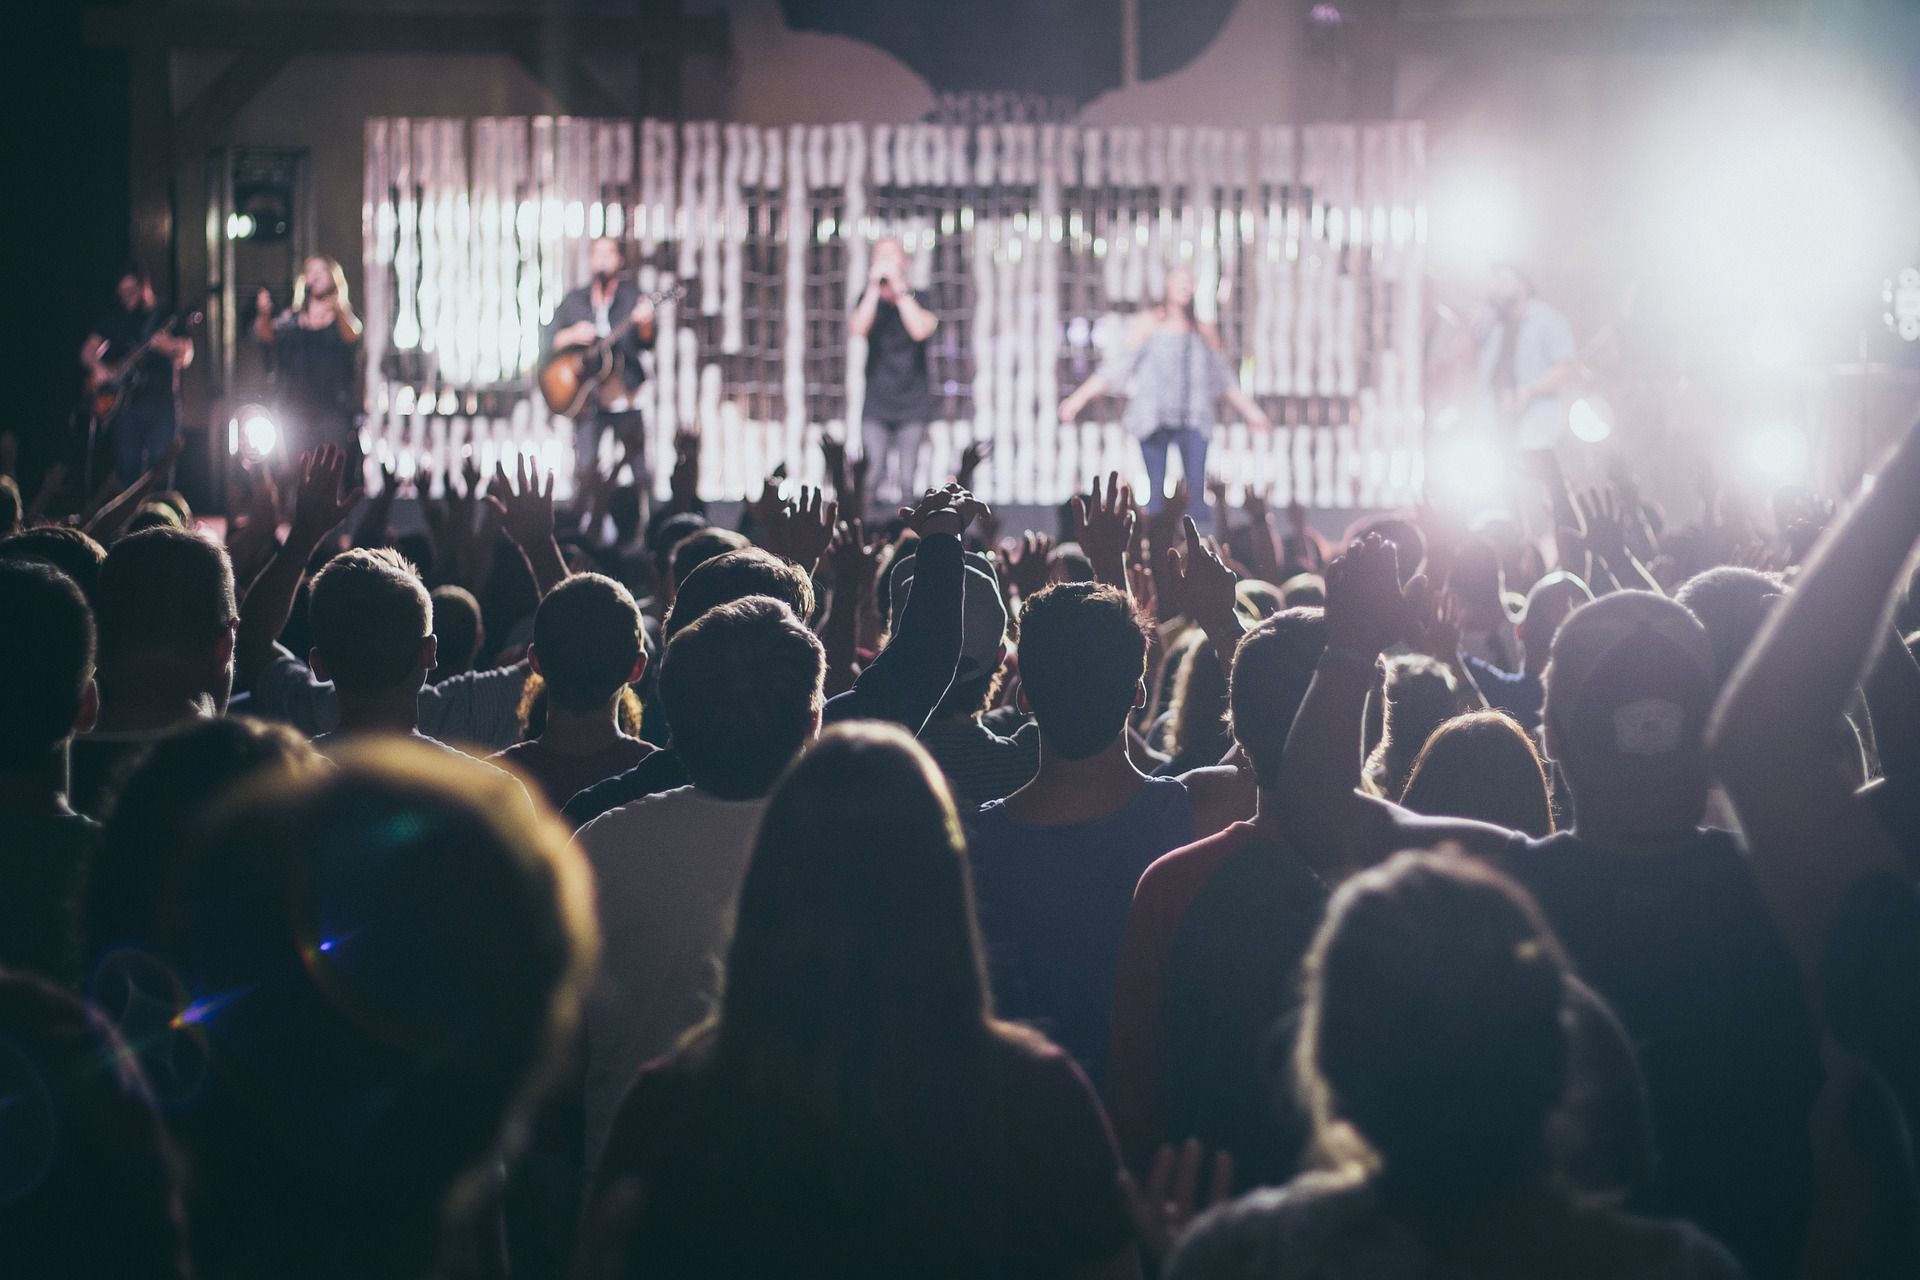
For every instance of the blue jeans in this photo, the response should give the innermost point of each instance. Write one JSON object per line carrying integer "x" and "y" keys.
{"x": 140, "y": 435}
{"x": 1192, "y": 443}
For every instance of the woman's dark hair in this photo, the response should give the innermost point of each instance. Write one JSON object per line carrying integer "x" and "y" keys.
{"x": 1434, "y": 1044}
{"x": 1482, "y": 765}
{"x": 855, "y": 932}
{"x": 1418, "y": 696}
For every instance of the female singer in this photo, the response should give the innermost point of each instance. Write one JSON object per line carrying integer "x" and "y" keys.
{"x": 313, "y": 350}
{"x": 1172, "y": 372}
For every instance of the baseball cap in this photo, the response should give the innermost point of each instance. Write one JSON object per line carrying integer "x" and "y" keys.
{"x": 1632, "y": 677}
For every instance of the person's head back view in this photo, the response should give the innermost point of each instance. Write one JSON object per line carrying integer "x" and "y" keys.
{"x": 46, "y": 669}
{"x": 1732, "y": 603}
{"x": 166, "y": 614}
{"x": 741, "y": 685}
{"x": 1083, "y": 660}
{"x": 1434, "y": 1043}
{"x": 1629, "y": 689}
{"x": 1271, "y": 670}
{"x": 587, "y": 643}
{"x": 1197, "y": 720}
{"x": 1549, "y": 602}
{"x": 1483, "y": 766}
{"x": 372, "y": 623}
{"x": 735, "y": 575}
{"x": 699, "y": 547}
{"x": 855, "y": 928}
{"x": 458, "y": 630}
{"x": 67, "y": 549}
{"x": 88, "y": 1184}
{"x": 383, "y": 961}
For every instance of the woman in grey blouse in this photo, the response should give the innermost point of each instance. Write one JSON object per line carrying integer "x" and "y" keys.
{"x": 1172, "y": 373}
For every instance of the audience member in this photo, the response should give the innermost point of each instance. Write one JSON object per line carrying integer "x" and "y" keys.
{"x": 89, "y": 1186}
{"x": 1481, "y": 766}
{"x": 47, "y": 694}
{"x": 166, "y": 618}
{"x": 852, "y": 1108}
{"x": 1417, "y": 697}
{"x": 741, "y": 685}
{"x": 1433, "y": 1054}
{"x": 1055, "y": 863}
{"x": 71, "y": 551}
{"x": 1663, "y": 918}
{"x": 1521, "y": 693}
{"x": 385, "y": 964}
{"x": 587, "y": 648}
{"x": 457, "y": 630}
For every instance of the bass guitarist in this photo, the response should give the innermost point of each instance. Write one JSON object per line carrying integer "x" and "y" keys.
{"x": 142, "y": 428}
{"x": 587, "y": 314}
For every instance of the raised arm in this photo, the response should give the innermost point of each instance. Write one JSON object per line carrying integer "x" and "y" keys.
{"x": 1199, "y": 586}
{"x": 106, "y": 523}
{"x": 318, "y": 509}
{"x": 526, "y": 517}
{"x": 1108, "y": 521}
{"x": 1772, "y": 732}
{"x": 907, "y": 679}
{"x": 1318, "y": 804}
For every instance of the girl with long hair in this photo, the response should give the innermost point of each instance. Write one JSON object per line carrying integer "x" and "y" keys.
{"x": 853, "y": 1108}
{"x": 1437, "y": 1049}
{"x": 1172, "y": 372}
{"x": 313, "y": 350}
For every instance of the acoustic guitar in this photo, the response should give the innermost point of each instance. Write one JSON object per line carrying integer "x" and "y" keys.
{"x": 107, "y": 394}
{"x": 571, "y": 379}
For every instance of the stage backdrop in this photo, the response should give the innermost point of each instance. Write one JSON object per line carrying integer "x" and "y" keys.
{"x": 1032, "y": 242}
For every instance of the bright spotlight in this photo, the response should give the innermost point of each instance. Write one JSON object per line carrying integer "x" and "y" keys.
{"x": 1467, "y": 470}
{"x": 253, "y": 432}
{"x": 1778, "y": 453}
{"x": 1591, "y": 419}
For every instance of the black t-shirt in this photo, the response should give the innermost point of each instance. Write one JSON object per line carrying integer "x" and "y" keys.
{"x": 1679, "y": 942}
{"x": 124, "y": 330}
{"x": 898, "y": 389}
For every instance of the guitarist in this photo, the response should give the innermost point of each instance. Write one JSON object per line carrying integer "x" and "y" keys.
{"x": 586, "y": 315}
{"x": 141, "y": 432}
{"x": 1527, "y": 361}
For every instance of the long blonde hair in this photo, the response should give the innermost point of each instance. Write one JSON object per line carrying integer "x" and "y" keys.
{"x": 348, "y": 322}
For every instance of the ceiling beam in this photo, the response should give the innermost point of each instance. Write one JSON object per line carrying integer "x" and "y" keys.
{"x": 1595, "y": 31}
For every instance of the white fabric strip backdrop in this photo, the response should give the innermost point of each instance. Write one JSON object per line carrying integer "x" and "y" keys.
{"x": 1033, "y": 243}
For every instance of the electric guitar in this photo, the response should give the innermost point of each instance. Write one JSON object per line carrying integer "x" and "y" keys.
{"x": 571, "y": 379}
{"x": 107, "y": 392}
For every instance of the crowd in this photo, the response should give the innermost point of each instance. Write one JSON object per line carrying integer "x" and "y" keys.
{"x": 591, "y": 890}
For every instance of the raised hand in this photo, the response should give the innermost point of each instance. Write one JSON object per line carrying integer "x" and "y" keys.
{"x": 1027, "y": 563}
{"x": 319, "y": 506}
{"x": 855, "y": 562}
{"x": 948, "y": 510}
{"x": 469, "y": 477}
{"x": 808, "y": 525}
{"x": 1605, "y": 529}
{"x": 1197, "y": 583}
{"x": 1172, "y": 1197}
{"x": 976, "y": 452}
{"x": 524, "y": 507}
{"x": 1437, "y": 628}
{"x": 1109, "y": 520}
{"x": 1366, "y": 608}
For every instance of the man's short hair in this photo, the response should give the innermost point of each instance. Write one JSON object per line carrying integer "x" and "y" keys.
{"x": 163, "y": 590}
{"x": 587, "y": 637}
{"x": 1083, "y": 652}
{"x": 699, "y": 547}
{"x": 369, "y": 613}
{"x": 1732, "y": 603}
{"x": 1271, "y": 670}
{"x": 736, "y": 575}
{"x": 46, "y": 660}
{"x": 71, "y": 551}
{"x": 664, "y": 533}
{"x": 741, "y": 689}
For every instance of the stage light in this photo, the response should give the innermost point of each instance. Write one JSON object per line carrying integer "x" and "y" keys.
{"x": 252, "y": 432}
{"x": 1590, "y": 419}
{"x": 1777, "y": 453}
